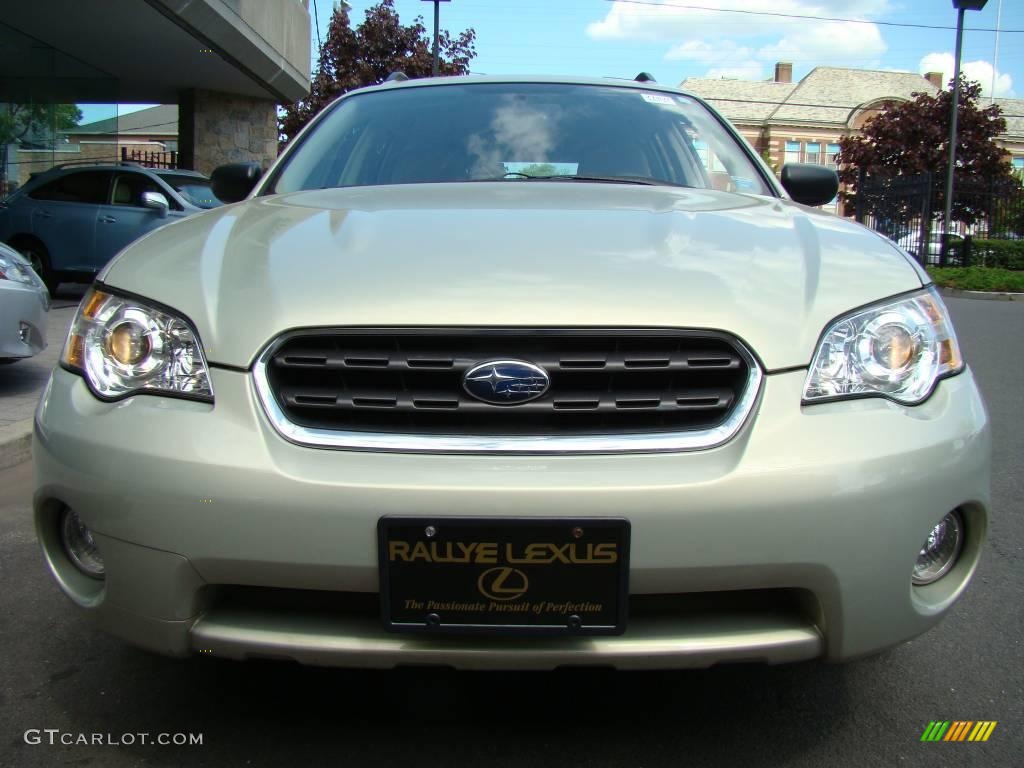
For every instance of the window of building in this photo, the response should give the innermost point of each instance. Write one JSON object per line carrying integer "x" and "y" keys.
{"x": 793, "y": 153}
{"x": 709, "y": 159}
{"x": 831, "y": 153}
{"x": 813, "y": 154}
{"x": 1018, "y": 163}
{"x": 701, "y": 148}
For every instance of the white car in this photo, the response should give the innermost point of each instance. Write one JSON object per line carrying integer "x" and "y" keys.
{"x": 24, "y": 303}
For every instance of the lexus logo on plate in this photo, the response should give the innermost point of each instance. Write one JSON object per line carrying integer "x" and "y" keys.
{"x": 506, "y": 382}
{"x": 503, "y": 583}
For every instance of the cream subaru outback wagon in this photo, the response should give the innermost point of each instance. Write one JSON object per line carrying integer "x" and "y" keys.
{"x": 514, "y": 373}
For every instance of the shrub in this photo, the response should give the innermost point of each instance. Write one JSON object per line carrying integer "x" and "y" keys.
{"x": 978, "y": 278}
{"x": 1004, "y": 254}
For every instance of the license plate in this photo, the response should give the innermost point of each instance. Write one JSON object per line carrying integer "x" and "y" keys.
{"x": 506, "y": 575}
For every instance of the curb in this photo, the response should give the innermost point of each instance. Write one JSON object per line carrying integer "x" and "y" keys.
{"x": 15, "y": 443}
{"x": 956, "y": 293}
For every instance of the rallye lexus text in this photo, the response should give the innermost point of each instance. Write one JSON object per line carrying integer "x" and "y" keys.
{"x": 514, "y": 373}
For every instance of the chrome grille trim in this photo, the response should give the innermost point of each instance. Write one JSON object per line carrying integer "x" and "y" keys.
{"x": 652, "y": 442}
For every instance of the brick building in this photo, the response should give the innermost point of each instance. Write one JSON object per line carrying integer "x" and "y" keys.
{"x": 791, "y": 122}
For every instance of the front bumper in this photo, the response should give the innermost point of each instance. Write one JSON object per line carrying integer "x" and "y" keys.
{"x": 22, "y": 320}
{"x": 831, "y": 503}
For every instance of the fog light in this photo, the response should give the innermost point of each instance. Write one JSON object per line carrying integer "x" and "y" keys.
{"x": 940, "y": 550}
{"x": 80, "y": 546}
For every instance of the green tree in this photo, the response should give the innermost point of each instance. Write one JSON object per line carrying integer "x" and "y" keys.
{"x": 537, "y": 169}
{"x": 354, "y": 58}
{"x": 18, "y": 121}
{"x": 21, "y": 122}
{"x": 912, "y": 137}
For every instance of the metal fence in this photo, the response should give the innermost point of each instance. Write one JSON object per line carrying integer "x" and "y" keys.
{"x": 907, "y": 210}
{"x": 898, "y": 207}
{"x": 150, "y": 159}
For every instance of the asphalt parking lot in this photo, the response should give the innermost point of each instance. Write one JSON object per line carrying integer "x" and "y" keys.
{"x": 60, "y": 674}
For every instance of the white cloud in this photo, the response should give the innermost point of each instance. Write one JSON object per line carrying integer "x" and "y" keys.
{"x": 726, "y": 59}
{"x": 973, "y": 70}
{"x": 703, "y": 52}
{"x": 699, "y": 35}
{"x": 832, "y": 42}
{"x": 744, "y": 70}
{"x": 661, "y": 21}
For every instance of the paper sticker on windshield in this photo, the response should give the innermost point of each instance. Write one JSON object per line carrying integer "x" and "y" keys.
{"x": 657, "y": 98}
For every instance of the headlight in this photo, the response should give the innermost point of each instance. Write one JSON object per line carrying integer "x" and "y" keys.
{"x": 125, "y": 345}
{"x": 16, "y": 269}
{"x": 897, "y": 350}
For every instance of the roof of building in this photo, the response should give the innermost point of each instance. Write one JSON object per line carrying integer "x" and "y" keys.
{"x": 830, "y": 94}
{"x": 740, "y": 100}
{"x": 1013, "y": 113}
{"x": 161, "y": 120}
{"x": 827, "y": 95}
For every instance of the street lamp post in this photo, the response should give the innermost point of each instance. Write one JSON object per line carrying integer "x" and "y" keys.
{"x": 961, "y": 6}
{"x": 437, "y": 31}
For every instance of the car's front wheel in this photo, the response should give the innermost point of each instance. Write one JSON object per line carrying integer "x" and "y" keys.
{"x": 37, "y": 255}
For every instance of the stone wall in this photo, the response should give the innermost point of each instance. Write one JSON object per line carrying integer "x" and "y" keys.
{"x": 216, "y": 128}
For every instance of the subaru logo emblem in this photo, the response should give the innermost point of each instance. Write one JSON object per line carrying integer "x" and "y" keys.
{"x": 506, "y": 382}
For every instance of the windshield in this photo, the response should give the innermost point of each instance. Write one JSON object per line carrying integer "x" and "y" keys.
{"x": 194, "y": 190}
{"x": 517, "y": 132}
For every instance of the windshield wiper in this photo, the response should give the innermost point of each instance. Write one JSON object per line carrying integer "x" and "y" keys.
{"x": 601, "y": 179}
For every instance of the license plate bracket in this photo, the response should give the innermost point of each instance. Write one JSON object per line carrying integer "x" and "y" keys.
{"x": 561, "y": 576}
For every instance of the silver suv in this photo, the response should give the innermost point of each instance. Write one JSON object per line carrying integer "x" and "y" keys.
{"x": 71, "y": 220}
{"x": 514, "y": 374}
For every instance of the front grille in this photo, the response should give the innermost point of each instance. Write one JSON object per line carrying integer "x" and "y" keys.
{"x": 602, "y": 382}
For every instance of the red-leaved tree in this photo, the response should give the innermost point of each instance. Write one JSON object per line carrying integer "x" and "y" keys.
{"x": 353, "y": 58}
{"x": 912, "y": 137}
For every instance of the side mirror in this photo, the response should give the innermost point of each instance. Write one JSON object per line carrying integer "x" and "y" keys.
{"x": 157, "y": 202}
{"x": 234, "y": 181}
{"x": 810, "y": 184}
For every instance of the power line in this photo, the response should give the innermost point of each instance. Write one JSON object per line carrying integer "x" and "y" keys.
{"x": 126, "y": 131}
{"x": 806, "y": 17}
{"x": 316, "y": 18}
{"x": 797, "y": 104}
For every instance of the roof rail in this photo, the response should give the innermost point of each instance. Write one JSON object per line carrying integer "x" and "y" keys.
{"x": 396, "y": 77}
{"x": 645, "y": 77}
{"x": 89, "y": 162}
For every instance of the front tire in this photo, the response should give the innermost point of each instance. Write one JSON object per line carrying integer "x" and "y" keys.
{"x": 37, "y": 255}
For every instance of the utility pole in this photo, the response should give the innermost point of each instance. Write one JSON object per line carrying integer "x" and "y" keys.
{"x": 437, "y": 32}
{"x": 995, "y": 53}
{"x": 961, "y": 6}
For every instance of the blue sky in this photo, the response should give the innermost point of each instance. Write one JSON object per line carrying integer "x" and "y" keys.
{"x": 603, "y": 38}
{"x": 676, "y": 39}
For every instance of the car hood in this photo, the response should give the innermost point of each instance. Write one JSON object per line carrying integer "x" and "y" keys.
{"x": 547, "y": 254}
